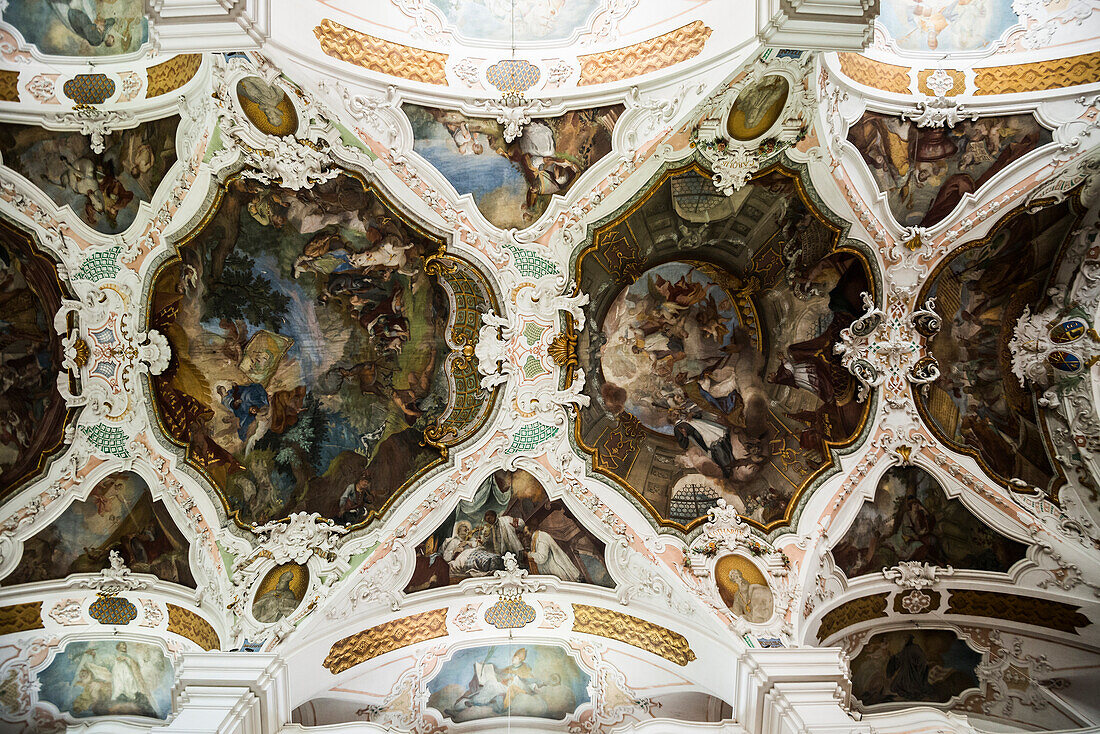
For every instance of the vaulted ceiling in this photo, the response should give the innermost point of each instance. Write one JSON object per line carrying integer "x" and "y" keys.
{"x": 571, "y": 365}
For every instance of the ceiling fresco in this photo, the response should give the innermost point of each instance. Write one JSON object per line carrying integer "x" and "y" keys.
{"x": 104, "y": 186}
{"x": 312, "y": 367}
{"x": 509, "y": 513}
{"x": 711, "y": 375}
{"x": 30, "y": 359}
{"x": 978, "y": 404}
{"x": 86, "y": 28}
{"x": 119, "y": 516}
{"x": 738, "y": 373}
{"x": 911, "y": 519}
{"x": 512, "y": 177}
{"x": 926, "y": 171}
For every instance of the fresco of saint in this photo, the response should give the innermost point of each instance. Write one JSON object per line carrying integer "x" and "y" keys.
{"x": 926, "y": 171}
{"x": 109, "y": 678}
{"x": 928, "y": 666}
{"x": 81, "y": 27}
{"x": 943, "y": 26}
{"x": 308, "y": 350}
{"x": 540, "y": 681}
{"x": 510, "y": 513}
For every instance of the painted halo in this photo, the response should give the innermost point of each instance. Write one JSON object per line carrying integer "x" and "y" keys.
{"x": 744, "y": 588}
{"x": 757, "y": 108}
{"x": 280, "y": 592}
{"x": 267, "y": 106}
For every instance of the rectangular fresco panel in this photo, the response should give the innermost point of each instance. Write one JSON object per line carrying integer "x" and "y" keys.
{"x": 540, "y": 681}
{"x": 530, "y": 20}
{"x": 80, "y": 28}
{"x": 109, "y": 678}
{"x": 104, "y": 189}
{"x": 509, "y": 513}
{"x": 913, "y": 666}
{"x": 512, "y": 183}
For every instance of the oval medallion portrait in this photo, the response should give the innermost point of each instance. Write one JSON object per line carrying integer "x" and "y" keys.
{"x": 757, "y": 107}
{"x": 266, "y": 106}
{"x": 280, "y": 592}
{"x": 743, "y": 588}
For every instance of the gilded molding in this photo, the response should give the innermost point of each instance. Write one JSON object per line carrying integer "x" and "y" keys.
{"x": 1014, "y": 608}
{"x": 643, "y": 635}
{"x": 172, "y": 74}
{"x": 21, "y": 617}
{"x": 9, "y": 86}
{"x": 377, "y": 54}
{"x": 876, "y": 74}
{"x": 384, "y": 638}
{"x": 1038, "y": 75}
{"x": 686, "y": 42}
{"x": 858, "y": 610}
{"x": 186, "y": 623}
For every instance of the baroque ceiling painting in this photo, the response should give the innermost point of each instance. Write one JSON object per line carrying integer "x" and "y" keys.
{"x": 509, "y": 513}
{"x": 104, "y": 187}
{"x": 925, "y": 172}
{"x": 978, "y": 404}
{"x": 312, "y": 369}
{"x": 580, "y": 366}
{"x": 512, "y": 178}
{"x": 80, "y": 28}
{"x": 32, "y": 411}
{"x": 911, "y": 519}
{"x": 119, "y": 516}
{"x": 711, "y": 374}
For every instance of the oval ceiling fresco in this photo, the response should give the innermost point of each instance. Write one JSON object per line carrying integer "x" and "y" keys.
{"x": 711, "y": 373}
{"x": 312, "y": 366}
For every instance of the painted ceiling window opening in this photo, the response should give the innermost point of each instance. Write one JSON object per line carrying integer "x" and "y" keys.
{"x": 563, "y": 365}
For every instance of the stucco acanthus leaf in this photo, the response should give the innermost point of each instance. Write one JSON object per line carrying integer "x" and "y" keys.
{"x": 1083, "y": 170}
{"x": 510, "y": 582}
{"x": 916, "y": 575}
{"x": 658, "y": 112}
{"x": 641, "y": 579}
{"x": 544, "y": 298}
{"x": 92, "y": 122}
{"x": 68, "y": 612}
{"x": 298, "y": 538}
{"x": 379, "y": 115}
{"x": 113, "y": 579}
{"x": 939, "y": 111}
{"x": 513, "y": 115}
{"x": 376, "y": 586}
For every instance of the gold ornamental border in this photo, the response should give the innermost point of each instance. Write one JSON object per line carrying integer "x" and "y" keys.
{"x": 686, "y": 42}
{"x": 186, "y": 623}
{"x": 639, "y": 633}
{"x": 836, "y": 229}
{"x": 384, "y": 638}
{"x": 21, "y": 617}
{"x": 378, "y": 54}
{"x": 172, "y": 74}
